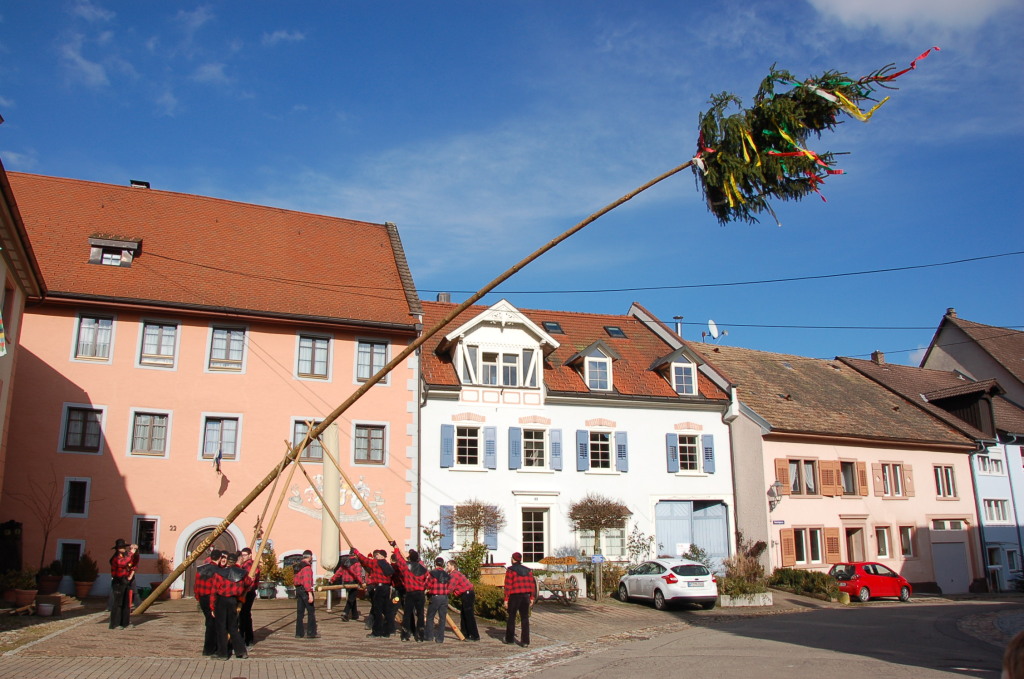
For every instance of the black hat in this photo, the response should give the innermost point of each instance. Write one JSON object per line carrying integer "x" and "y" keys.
{"x": 120, "y": 544}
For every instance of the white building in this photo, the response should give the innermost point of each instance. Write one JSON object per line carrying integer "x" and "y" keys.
{"x": 531, "y": 410}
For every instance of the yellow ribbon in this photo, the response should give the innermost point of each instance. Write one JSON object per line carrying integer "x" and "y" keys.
{"x": 747, "y": 139}
{"x": 852, "y": 109}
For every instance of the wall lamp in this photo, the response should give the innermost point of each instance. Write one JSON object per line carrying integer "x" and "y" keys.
{"x": 774, "y": 495}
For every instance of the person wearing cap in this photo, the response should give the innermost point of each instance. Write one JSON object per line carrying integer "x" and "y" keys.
{"x": 202, "y": 588}
{"x": 349, "y": 572}
{"x": 378, "y": 587}
{"x": 120, "y": 570}
{"x": 413, "y": 574}
{"x": 245, "y": 561}
{"x": 304, "y": 598}
{"x": 461, "y": 587}
{"x": 437, "y": 587}
{"x": 230, "y": 583}
{"x": 520, "y": 593}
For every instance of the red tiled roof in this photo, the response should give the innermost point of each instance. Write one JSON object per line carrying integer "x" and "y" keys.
{"x": 631, "y": 374}
{"x": 800, "y": 395}
{"x": 207, "y": 253}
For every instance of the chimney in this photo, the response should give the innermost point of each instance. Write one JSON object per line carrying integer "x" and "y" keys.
{"x": 951, "y": 312}
{"x": 138, "y": 184}
{"x": 679, "y": 325}
{"x": 878, "y": 357}
{"x": 445, "y": 297}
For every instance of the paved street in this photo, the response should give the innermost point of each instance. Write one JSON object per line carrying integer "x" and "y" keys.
{"x": 796, "y": 638}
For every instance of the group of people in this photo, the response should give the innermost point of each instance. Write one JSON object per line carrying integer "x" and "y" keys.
{"x": 225, "y": 592}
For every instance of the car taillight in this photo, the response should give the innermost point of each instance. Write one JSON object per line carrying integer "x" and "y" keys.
{"x": 670, "y": 578}
{"x": 714, "y": 580}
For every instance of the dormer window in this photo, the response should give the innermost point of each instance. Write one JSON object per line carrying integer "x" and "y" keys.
{"x": 597, "y": 373}
{"x": 684, "y": 379}
{"x": 499, "y": 368}
{"x": 109, "y": 251}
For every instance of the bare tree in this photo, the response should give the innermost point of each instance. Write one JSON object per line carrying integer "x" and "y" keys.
{"x": 477, "y": 516}
{"x": 43, "y": 500}
{"x": 598, "y": 513}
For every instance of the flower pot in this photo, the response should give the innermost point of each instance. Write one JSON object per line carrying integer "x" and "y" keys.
{"x": 290, "y": 591}
{"x": 44, "y": 610}
{"x": 82, "y": 589}
{"x": 23, "y": 597}
{"x": 48, "y": 584}
{"x": 176, "y": 593}
{"x": 268, "y": 590}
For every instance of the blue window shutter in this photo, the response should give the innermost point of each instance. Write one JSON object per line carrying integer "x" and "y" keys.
{"x": 515, "y": 447}
{"x": 707, "y": 441}
{"x": 672, "y": 452}
{"x": 447, "y": 445}
{"x": 582, "y": 450}
{"x": 447, "y": 526}
{"x": 491, "y": 447}
{"x": 556, "y": 449}
{"x": 491, "y": 538}
{"x": 621, "y": 452}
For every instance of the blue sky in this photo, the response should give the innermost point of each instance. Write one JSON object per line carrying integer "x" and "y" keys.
{"x": 483, "y": 129}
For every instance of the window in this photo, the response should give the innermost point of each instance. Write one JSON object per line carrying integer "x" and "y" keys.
{"x": 553, "y": 327}
{"x": 997, "y": 511}
{"x": 683, "y": 380}
{"x": 600, "y": 450}
{"x": 220, "y": 438}
{"x": 144, "y": 535}
{"x": 613, "y": 542}
{"x": 689, "y": 454}
{"x": 1013, "y": 559}
{"x": 510, "y": 369}
{"x": 808, "y": 544}
{"x": 76, "y": 498}
{"x": 596, "y": 376}
{"x": 495, "y": 368}
{"x": 947, "y": 524}
{"x": 533, "y": 448}
{"x": 907, "y": 535}
{"x": 990, "y": 465}
{"x": 615, "y": 331}
{"x": 227, "y": 349}
{"x": 848, "y": 475}
{"x": 82, "y": 429}
{"x": 534, "y": 534}
{"x": 370, "y": 444}
{"x": 314, "y": 353}
{"x": 110, "y": 257}
{"x": 467, "y": 446}
{"x": 69, "y": 552}
{"x": 149, "y": 434}
{"x": 803, "y": 477}
{"x": 314, "y": 451}
{"x": 158, "y": 344}
{"x": 892, "y": 480}
{"x": 882, "y": 541}
{"x": 945, "y": 481}
{"x": 370, "y": 358}
{"x": 94, "y": 335}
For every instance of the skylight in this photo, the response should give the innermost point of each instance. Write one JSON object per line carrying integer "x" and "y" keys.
{"x": 614, "y": 331}
{"x": 553, "y": 327}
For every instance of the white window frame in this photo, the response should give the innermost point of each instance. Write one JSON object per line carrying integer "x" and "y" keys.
{"x": 385, "y": 427}
{"x": 883, "y": 542}
{"x": 66, "y": 411}
{"x": 545, "y": 529}
{"x": 892, "y": 479}
{"x": 311, "y": 376}
{"x": 945, "y": 481}
{"x": 590, "y": 372}
{"x": 156, "y": 534}
{"x": 373, "y": 368}
{"x": 203, "y": 419}
{"x": 613, "y": 542}
{"x": 991, "y": 465}
{"x": 908, "y": 539}
{"x": 77, "y": 332}
{"x": 153, "y": 364}
{"x": 609, "y": 441}
{"x": 544, "y": 448}
{"x": 470, "y": 363}
{"x": 695, "y": 447}
{"x": 314, "y": 445}
{"x": 997, "y": 511}
{"x": 681, "y": 367}
{"x": 807, "y": 540}
{"x": 68, "y": 480}
{"x": 1013, "y": 560}
{"x": 233, "y": 366}
{"x": 133, "y": 413}
{"x": 479, "y": 447}
{"x": 798, "y": 482}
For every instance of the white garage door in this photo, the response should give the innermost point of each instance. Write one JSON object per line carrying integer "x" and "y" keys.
{"x": 950, "y": 563}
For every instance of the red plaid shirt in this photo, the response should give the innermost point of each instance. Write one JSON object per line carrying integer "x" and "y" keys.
{"x": 459, "y": 584}
{"x": 224, "y": 587}
{"x": 516, "y": 583}
{"x": 350, "y": 575}
{"x": 304, "y": 577}
{"x": 436, "y": 587}
{"x": 204, "y": 584}
{"x": 256, "y": 576}
{"x": 412, "y": 582}
{"x": 374, "y": 575}
{"x": 120, "y": 565}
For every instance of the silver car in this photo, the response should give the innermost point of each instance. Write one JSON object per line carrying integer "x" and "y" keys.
{"x": 669, "y": 581}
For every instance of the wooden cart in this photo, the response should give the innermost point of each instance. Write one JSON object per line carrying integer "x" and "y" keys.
{"x": 563, "y": 588}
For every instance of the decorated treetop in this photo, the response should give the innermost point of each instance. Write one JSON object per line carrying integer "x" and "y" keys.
{"x": 747, "y": 157}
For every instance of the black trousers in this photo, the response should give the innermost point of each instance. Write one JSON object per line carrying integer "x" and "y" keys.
{"x": 303, "y": 608}
{"x": 413, "y": 614}
{"x": 120, "y": 613}
{"x": 226, "y": 620}
{"x": 467, "y": 620}
{"x": 210, "y": 637}
{"x": 438, "y": 607}
{"x": 379, "y": 604}
{"x": 518, "y": 603}
{"x": 245, "y": 619}
{"x": 351, "y": 598}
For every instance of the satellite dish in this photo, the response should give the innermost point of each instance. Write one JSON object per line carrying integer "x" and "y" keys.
{"x": 713, "y": 329}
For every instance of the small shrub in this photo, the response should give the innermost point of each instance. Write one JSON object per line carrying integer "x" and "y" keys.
{"x": 744, "y": 574}
{"x": 86, "y": 570}
{"x": 431, "y": 547}
{"x": 490, "y": 603}
{"x": 469, "y": 560}
{"x": 288, "y": 576}
{"x": 696, "y": 553}
{"x": 811, "y": 583}
{"x": 269, "y": 570}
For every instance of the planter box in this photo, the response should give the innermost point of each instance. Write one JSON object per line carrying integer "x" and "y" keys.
{"x": 763, "y": 599}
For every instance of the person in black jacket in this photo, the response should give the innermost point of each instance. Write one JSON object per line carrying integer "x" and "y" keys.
{"x": 437, "y": 587}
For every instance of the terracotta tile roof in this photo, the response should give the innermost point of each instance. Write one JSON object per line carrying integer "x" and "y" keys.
{"x": 631, "y": 374}
{"x": 207, "y": 253}
{"x": 1004, "y": 345}
{"x": 923, "y": 386}
{"x": 800, "y": 395}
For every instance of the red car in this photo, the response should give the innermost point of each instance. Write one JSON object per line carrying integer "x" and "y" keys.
{"x": 863, "y": 580}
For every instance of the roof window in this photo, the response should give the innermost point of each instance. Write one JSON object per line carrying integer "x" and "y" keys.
{"x": 553, "y": 327}
{"x": 615, "y": 331}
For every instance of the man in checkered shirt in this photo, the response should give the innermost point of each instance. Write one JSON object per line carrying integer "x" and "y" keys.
{"x": 414, "y": 576}
{"x": 202, "y": 589}
{"x": 520, "y": 593}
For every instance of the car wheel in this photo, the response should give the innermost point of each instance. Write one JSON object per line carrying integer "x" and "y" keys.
{"x": 707, "y": 605}
{"x": 659, "y": 600}
{"x": 864, "y": 594}
{"x": 623, "y": 594}
{"x": 904, "y": 594}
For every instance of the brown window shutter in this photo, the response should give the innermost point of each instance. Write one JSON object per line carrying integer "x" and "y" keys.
{"x": 782, "y": 474}
{"x": 908, "y": 480}
{"x": 876, "y": 478}
{"x": 862, "y": 478}
{"x": 788, "y": 543}
{"x": 833, "y": 551}
{"x": 828, "y": 477}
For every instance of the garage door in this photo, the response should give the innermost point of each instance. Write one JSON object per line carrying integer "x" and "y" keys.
{"x": 950, "y": 565}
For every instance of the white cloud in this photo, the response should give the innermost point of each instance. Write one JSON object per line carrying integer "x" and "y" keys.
{"x": 19, "y": 161}
{"x": 899, "y": 15}
{"x": 6, "y": 103}
{"x": 91, "y": 12}
{"x": 274, "y": 38}
{"x": 90, "y": 73}
{"x": 212, "y": 73}
{"x": 167, "y": 103}
{"x": 193, "y": 21}
{"x": 916, "y": 356}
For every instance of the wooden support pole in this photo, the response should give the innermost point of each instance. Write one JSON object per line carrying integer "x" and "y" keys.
{"x": 273, "y": 519}
{"x": 323, "y": 503}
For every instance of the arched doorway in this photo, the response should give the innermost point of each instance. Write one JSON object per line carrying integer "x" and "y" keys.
{"x": 224, "y": 542}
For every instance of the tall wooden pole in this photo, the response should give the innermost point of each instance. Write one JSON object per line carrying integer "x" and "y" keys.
{"x": 383, "y": 372}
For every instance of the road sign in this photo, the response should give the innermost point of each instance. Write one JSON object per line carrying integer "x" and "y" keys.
{"x": 597, "y": 558}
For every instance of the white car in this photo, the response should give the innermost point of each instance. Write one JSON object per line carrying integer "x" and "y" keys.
{"x": 669, "y": 581}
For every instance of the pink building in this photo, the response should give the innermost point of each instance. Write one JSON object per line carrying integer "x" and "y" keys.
{"x": 182, "y": 343}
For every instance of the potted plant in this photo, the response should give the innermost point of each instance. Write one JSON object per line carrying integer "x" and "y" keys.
{"x": 270, "y": 575}
{"x": 50, "y": 577}
{"x": 84, "y": 574}
{"x": 288, "y": 577}
{"x": 25, "y": 587}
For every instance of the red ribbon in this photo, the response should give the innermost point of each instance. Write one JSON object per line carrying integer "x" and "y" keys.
{"x": 913, "y": 65}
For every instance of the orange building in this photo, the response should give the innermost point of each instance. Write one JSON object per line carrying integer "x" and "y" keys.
{"x": 182, "y": 342}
